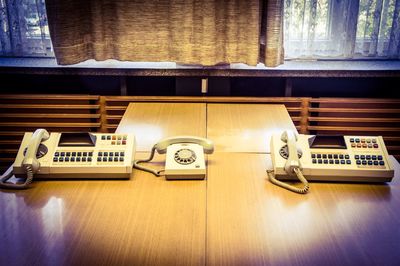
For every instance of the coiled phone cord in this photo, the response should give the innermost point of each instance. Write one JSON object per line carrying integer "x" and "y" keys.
{"x": 9, "y": 173}
{"x": 299, "y": 175}
{"x": 137, "y": 166}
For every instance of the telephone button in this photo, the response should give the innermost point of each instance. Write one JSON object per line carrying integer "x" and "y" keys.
{"x": 364, "y": 145}
{"x": 67, "y": 159}
{"x": 83, "y": 159}
{"x": 73, "y": 153}
{"x": 358, "y": 145}
{"x": 353, "y": 145}
{"x": 357, "y": 140}
{"x": 342, "y": 162}
{"x": 100, "y": 153}
{"x": 330, "y": 156}
{"x": 111, "y": 153}
{"x": 370, "y": 146}
{"x": 104, "y": 159}
{"x": 380, "y": 157}
{"x": 376, "y": 146}
{"x": 336, "y": 161}
{"x": 84, "y": 153}
{"x": 99, "y": 159}
{"x": 364, "y": 162}
{"x": 78, "y": 159}
{"x": 318, "y": 156}
{"x": 122, "y": 153}
{"x": 357, "y": 157}
{"x": 381, "y": 163}
{"x": 373, "y": 140}
{"x": 347, "y": 156}
{"x": 324, "y": 156}
{"x": 61, "y": 159}
{"x": 319, "y": 160}
{"x": 56, "y": 154}
{"x": 373, "y": 157}
{"x": 368, "y": 157}
{"x": 314, "y": 160}
{"x": 115, "y": 159}
{"x": 341, "y": 156}
{"x": 105, "y": 153}
{"x": 62, "y": 153}
{"x": 68, "y": 153}
{"x": 121, "y": 159}
{"x": 330, "y": 161}
{"x": 325, "y": 161}
{"x": 72, "y": 159}
{"x": 55, "y": 159}
{"x": 362, "y": 140}
{"x": 89, "y": 159}
{"x": 90, "y": 153}
{"x": 351, "y": 140}
{"x": 362, "y": 157}
{"x": 108, "y": 137}
{"x": 376, "y": 162}
{"x": 335, "y": 156}
{"x": 358, "y": 162}
{"x": 348, "y": 162}
{"x": 370, "y": 162}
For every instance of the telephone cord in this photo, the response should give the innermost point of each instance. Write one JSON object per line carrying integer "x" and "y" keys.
{"x": 299, "y": 175}
{"x": 137, "y": 166}
{"x": 9, "y": 173}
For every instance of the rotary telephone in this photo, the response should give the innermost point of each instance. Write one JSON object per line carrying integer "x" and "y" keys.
{"x": 71, "y": 155}
{"x": 328, "y": 158}
{"x": 184, "y": 157}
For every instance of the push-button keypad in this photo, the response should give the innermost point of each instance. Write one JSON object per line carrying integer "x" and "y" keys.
{"x": 110, "y": 156}
{"x": 72, "y": 156}
{"x": 369, "y": 160}
{"x": 330, "y": 158}
{"x": 115, "y": 139}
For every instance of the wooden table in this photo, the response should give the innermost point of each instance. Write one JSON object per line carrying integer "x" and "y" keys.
{"x": 235, "y": 217}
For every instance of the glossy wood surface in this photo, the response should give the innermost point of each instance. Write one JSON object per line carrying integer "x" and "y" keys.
{"x": 142, "y": 221}
{"x": 250, "y": 221}
{"x": 245, "y": 127}
{"x": 151, "y": 122}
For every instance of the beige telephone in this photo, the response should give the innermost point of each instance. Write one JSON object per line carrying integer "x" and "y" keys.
{"x": 184, "y": 157}
{"x": 71, "y": 155}
{"x": 328, "y": 158}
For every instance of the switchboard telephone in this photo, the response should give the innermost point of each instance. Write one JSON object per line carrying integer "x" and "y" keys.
{"x": 328, "y": 158}
{"x": 184, "y": 157}
{"x": 71, "y": 155}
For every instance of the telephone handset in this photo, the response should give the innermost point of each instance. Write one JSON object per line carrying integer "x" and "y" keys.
{"x": 30, "y": 162}
{"x": 184, "y": 157}
{"x": 292, "y": 166}
{"x": 328, "y": 158}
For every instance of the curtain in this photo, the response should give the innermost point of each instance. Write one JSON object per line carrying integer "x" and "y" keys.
{"x": 206, "y": 32}
{"x": 342, "y": 29}
{"x": 23, "y": 28}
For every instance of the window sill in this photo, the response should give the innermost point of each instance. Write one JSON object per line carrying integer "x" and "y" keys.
{"x": 375, "y": 68}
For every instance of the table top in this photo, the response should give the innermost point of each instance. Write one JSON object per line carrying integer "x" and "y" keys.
{"x": 246, "y": 127}
{"x": 234, "y": 217}
{"x": 250, "y": 221}
{"x": 153, "y": 122}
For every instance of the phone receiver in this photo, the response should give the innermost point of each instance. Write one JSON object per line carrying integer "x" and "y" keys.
{"x": 293, "y": 161}
{"x": 292, "y": 165}
{"x": 207, "y": 144}
{"x": 30, "y": 162}
{"x": 30, "y": 156}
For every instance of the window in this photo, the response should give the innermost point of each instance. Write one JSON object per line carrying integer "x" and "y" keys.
{"x": 342, "y": 29}
{"x": 338, "y": 29}
{"x": 24, "y": 29}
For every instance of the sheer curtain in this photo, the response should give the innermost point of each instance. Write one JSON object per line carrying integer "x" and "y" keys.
{"x": 23, "y": 28}
{"x": 206, "y": 32}
{"x": 342, "y": 29}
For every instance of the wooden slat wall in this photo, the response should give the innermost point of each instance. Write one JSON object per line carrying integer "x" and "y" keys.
{"x": 351, "y": 116}
{"x": 22, "y": 113}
